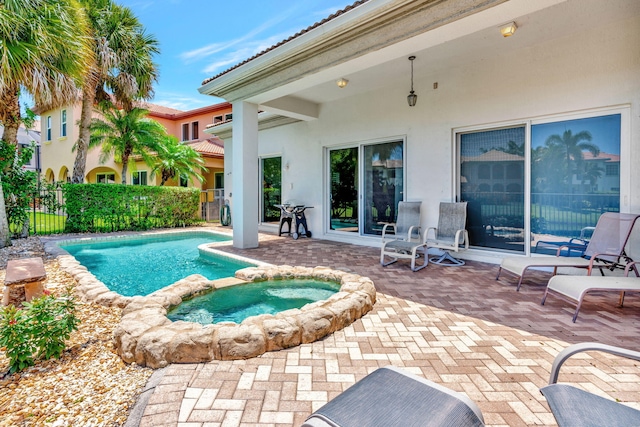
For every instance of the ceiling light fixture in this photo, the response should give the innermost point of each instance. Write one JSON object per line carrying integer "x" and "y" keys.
{"x": 509, "y": 29}
{"x": 342, "y": 82}
{"x": 412, "y": 98}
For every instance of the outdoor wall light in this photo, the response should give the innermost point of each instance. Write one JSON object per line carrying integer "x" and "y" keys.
{"x": 342, "y": 82}
{"x": 508, "y": 29}
{"x": 412, "y": 98}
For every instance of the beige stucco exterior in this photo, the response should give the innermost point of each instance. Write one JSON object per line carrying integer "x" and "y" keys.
{"x": 57, "y": 156}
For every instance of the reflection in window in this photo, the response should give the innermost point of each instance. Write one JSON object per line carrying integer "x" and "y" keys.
{"x": 575, "y": 175}
{"x": 495, "y": 217}
{"x": 271, "y": 188}
{"x": 343, "y": 172}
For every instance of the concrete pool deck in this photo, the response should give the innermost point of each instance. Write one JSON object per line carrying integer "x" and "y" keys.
{"x": 456, "y": 326}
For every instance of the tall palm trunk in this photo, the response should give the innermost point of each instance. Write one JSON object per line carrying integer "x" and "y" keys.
{"x": 84, "y": 134}
{"x": 5, "y": 235}
{"x": 10, "y": 114}
{"x": 125, "y": 166}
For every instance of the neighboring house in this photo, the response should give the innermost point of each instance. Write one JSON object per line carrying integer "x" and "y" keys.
{"x": 60, "y": 132}
{"x": 571, "y": 64}
{"x": 26, "y": 138}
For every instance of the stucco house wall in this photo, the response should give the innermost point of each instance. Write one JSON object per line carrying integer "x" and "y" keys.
{"x": 592, "y": 70}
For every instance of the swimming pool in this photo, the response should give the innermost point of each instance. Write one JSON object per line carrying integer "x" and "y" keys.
{"x": 140, "y": 265}
{"x": 236, "y": 303}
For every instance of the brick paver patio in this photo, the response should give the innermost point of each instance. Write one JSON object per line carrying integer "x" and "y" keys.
{"x": 456, "y": 326}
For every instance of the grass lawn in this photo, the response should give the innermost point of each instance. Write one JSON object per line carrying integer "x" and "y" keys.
{"x": 44, "y": 223}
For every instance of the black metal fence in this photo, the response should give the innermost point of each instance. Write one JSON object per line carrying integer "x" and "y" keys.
{"x": 47, "y": 214}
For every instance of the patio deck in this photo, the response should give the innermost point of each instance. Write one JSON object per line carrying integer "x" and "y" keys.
{"x": 456, "y": 326}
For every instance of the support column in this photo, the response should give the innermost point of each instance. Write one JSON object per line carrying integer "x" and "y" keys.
{"x": 244, "y": 175}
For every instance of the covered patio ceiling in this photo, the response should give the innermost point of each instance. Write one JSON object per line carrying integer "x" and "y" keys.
{"x": 296, "y": 89}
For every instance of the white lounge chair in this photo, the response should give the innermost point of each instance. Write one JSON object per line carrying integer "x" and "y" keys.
{"x": 575, "y": 288}
{"x": 606, "y": 249}
{"x": 450, "y": 234}
{"x": 402, "y": 239}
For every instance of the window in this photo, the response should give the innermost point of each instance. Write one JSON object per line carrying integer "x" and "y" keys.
{"x": 48, "y": 128}
{"x": 271, "y": 171}
{"x": 105, "y": 178}
{"x": 228, "y": 116}
{"x": 612, "y": 169}
{"x": 63, "y": 123}
{"x": 218, "y": 180}
{"x": 217, "y": 119}
{"x": 495, "y": 217}
{"x": 366, "y": 184}
{"x": 184, "y": 182}
{"x": 573, "y": 177}
{"x": 185, "y": 132}
{"x": 194, "y": 130}
{"x": 139, "y": 178}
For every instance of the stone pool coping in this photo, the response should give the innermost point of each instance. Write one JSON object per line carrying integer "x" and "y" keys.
{"x": 148, "y": 337}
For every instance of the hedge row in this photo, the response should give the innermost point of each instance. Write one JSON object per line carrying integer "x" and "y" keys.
{"x": 107, "y": 207}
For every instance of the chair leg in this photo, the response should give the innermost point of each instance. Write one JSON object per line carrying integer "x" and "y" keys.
{"x": 447, "y": 260}
{"x": 415, "y": 255}
{"x": 382, "y": 255}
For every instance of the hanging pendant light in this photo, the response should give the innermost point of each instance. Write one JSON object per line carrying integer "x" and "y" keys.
{"x": 412, "y": 98}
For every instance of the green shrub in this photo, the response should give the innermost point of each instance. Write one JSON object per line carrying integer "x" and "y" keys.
{"x": 39, "y": 330}
{"x": 108, "y": 207}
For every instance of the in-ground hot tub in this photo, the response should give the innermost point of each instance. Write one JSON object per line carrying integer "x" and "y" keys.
{"x": 148, "y": 337}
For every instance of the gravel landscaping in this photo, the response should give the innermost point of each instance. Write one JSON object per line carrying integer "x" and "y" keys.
{"x": 89, "y": 385}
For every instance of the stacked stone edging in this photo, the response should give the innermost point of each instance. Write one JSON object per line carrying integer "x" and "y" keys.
{"x": 147, "y": 337}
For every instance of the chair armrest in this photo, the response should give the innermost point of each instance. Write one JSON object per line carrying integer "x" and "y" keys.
{"x": 630, "y": 265}
{"x": 587, "y": 346}
{"x": 435, "y": 232}
{"x": 412, "y": 229}
{"x": 384, "y": 229}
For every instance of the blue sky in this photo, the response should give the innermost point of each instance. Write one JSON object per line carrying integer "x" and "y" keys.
{"x": 198, "y": 38}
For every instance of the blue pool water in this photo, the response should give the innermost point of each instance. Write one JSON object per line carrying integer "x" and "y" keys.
{"x": 236, "y": 303}
{"x": 144, "y": 264}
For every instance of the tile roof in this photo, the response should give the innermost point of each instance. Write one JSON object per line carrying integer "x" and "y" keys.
{"x": 210, "y": 147}
{"x": 287, "y": 40}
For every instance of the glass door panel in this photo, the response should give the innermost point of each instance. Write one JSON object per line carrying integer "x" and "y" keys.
{"x": 383, "y": 184}
{"x": 271, "y": 188}
{"x": 343, "y": 173}
{"x": 492, "y": 182}
{"x": 575, "y": 177}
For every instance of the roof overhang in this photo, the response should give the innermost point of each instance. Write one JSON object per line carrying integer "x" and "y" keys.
{"x": 376, "y": 34}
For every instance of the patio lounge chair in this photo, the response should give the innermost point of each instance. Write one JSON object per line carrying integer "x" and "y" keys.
{"x": 390, "y": 397}
{"x": 606, "y": 249}
{"x": 450, "y": 235}
{"x": 572, "y": 406}
{"x": 575, "y": 246}
{"x": 405, "y": 241}
{"x": 575, "y": 288}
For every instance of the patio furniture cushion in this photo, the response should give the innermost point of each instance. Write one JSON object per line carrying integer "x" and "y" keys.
{"x": 390, "y": 397}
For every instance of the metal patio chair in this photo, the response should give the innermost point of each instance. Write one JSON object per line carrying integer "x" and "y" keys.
{"x": 402, "y": 239}
{"x": 606, "y": 250}
{"x": 450, "y": 235}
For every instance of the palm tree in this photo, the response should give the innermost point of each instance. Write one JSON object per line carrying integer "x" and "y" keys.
{"x": 43, "y": 50}
{"x": 123, "y": 65}
{"x": 177, "y": 160}
{"x": 123, "y": 134}
{"x": 572, "y": 147}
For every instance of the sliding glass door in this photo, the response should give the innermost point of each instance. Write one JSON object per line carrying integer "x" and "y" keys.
{"x": 271, "y": 171}
{"x": 366, "y": 184}
{"x": 573, "y": 177}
